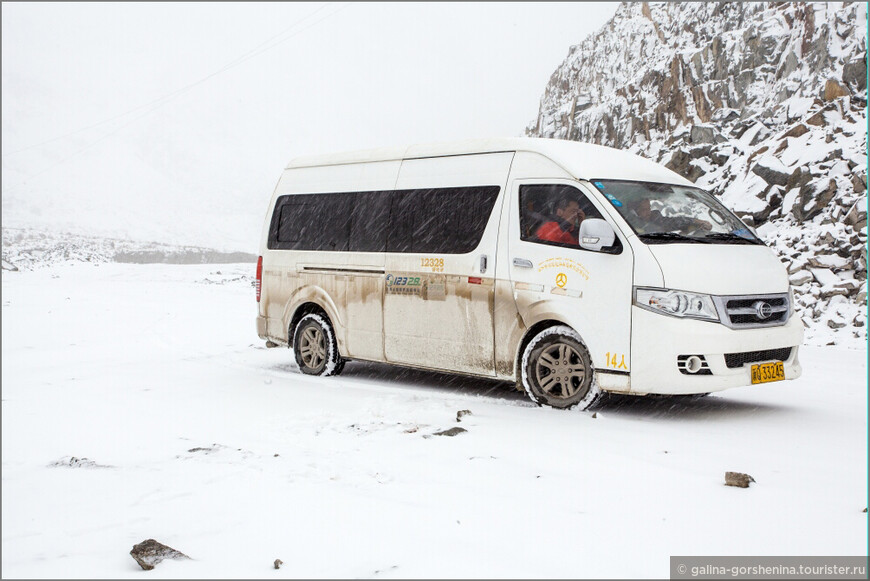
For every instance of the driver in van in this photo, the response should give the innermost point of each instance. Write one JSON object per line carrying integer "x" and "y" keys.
{"x": 646, "y": 220}
{"x": 565, "y": 225}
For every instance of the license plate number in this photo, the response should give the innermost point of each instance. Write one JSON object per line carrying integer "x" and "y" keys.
{"x": 765, "y": 372}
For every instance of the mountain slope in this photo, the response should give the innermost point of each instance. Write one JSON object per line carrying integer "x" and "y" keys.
{"x": 762, "y": 104}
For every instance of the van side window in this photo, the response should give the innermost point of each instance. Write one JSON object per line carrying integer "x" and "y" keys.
{"x": 369, "y": 221}
{"x": 440, "y": 220}
{"x": 311, "y": 222}
{"x": 432, "y": 221}
{"x": 552, "y": 213}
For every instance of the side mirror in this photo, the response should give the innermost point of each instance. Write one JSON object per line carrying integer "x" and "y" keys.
{"x": 596, "y": 234}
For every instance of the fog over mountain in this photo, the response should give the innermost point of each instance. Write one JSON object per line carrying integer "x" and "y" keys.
{"x": 171, "y": 122}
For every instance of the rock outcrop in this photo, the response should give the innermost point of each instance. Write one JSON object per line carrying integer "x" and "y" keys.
{"x": 149, "y": 553}
{"x": 762, "y": 104}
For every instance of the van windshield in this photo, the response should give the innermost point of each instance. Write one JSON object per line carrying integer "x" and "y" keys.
{"x": 668, "y": 213}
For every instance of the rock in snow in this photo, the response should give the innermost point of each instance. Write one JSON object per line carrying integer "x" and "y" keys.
{"x": 738, "y": 479}
{"x": 829, "y": 261}
{"x": 74, "y": 462}
{"x": 451, "y": 432}
{"x": 771, "y": 170}
{"x": 149, "y": 553}
{"x": 825, "y": 276}
{"x": 800, "y": 278}
{"x": 762, "y": 104}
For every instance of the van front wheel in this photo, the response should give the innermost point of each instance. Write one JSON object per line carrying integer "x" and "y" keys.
{"x": 557, "y": 370}
{"x": 315, "y": 347}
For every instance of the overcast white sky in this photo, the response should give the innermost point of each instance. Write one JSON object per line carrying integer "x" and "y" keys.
{"x": 313, "y": 78}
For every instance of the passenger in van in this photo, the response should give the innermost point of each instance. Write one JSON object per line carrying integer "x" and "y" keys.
{"x": 565, "y": 225}
{"x": 646, "y": 220}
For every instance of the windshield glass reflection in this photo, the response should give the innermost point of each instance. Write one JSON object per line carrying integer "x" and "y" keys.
{"x": 663, "y": 213}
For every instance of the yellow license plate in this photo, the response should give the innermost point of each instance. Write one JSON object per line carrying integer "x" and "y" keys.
{"x": 765, "y": 372}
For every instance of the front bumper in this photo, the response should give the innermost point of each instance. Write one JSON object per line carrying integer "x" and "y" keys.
{"x": 658, "y": 340}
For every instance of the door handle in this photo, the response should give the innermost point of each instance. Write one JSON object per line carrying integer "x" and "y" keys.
{"x": 482, "y": 263}
{"x": 523, "y": 263}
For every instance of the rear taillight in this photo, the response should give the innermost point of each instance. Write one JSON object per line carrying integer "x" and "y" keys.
{"x": 259, "y": 276}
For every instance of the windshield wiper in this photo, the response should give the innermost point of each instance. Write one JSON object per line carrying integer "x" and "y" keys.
{"x": 665, "y": 237}
{"x": 731, "y": 237}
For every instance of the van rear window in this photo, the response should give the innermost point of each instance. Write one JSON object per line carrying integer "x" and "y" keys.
{"x": 434, "y": 221}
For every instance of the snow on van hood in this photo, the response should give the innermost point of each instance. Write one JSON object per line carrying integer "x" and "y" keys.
{"x": 721, "y": 269}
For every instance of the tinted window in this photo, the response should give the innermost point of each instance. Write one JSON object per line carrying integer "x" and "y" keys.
{"x": 440, "y": 220}
{"x": 311, "y": 222}
{"x": 552, "y": 214}
{"x": 436, "y": 221}
{"x": 369, "y": 221}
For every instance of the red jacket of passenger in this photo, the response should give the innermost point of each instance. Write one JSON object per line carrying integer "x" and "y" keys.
{"x": 557, "y": 232}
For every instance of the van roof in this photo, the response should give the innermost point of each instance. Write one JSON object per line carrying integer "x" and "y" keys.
{"x": 581, "y": 160}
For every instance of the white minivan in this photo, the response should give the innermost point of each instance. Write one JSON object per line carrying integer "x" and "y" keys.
{"x": 571, "y": 269}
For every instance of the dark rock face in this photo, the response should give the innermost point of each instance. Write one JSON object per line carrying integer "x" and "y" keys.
{"x": 703, "y": 134}
{"x": 856, "y": 216}
{"x": 855, "y": 74}
{"x": 796, "y": 131}
{"x": 681, "y": 162}
{"x": 798, "y": 179}
{"x": 833, "y": 89}
{"x": 149, "y": 553}
{"x": 814, "y": 197}
{"x": 771, "y": 175}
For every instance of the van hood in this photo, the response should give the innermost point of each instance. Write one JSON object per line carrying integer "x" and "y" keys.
{"x": 721, "y": 269}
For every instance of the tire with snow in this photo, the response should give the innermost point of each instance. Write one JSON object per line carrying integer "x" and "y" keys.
{"x": 556, "y": 370}
{"x": 315, "y": 347}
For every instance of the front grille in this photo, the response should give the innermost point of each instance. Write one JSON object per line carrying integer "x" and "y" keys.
{"x": 733, "y": 360}
{"x": 749, "y": 311}
{"x": 742, "y": 303}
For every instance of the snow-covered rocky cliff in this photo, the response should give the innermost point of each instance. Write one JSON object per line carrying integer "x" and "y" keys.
{"x": 763, "y": 104}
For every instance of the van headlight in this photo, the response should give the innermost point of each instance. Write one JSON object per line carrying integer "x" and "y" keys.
{"x": 676, "y": 303}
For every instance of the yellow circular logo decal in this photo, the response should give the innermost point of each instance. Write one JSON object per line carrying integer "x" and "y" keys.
{"x": 561, "y": 280}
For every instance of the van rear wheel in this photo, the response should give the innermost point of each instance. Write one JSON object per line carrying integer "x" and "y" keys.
{"x": 557, "y": 370}
{"x": 315, "y": 346}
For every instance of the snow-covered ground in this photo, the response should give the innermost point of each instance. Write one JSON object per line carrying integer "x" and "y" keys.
{"x": 199, "y": 437}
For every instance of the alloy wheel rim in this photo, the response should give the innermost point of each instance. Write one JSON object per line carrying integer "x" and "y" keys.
{"x": 559, "y": 371}
{"x": 312, "y": 347}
